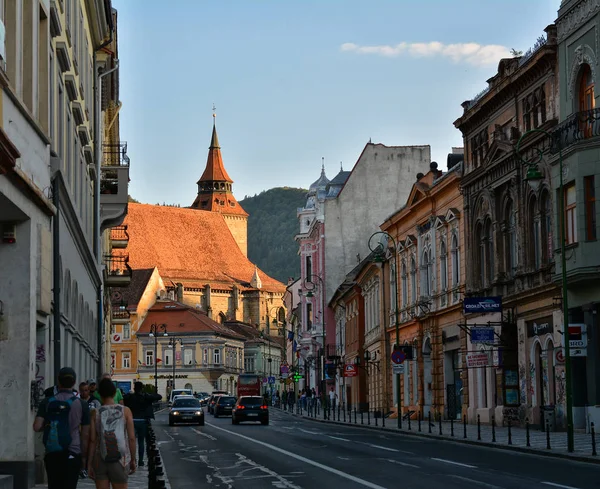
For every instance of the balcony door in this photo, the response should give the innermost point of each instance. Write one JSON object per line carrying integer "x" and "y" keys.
{"x": 586, "y": 101}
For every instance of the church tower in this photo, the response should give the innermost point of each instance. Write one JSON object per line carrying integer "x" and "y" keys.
{"x": 215, "y": 194}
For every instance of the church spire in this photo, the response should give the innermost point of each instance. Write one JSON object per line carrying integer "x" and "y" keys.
{"x": 215, "y": 170}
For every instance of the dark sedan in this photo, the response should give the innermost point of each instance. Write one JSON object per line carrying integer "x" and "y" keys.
{"x": 250, "y": 408}
{"x": 224, "y": 406}
{"x": 211, "y": 403}
{"x": 186, "y": 410}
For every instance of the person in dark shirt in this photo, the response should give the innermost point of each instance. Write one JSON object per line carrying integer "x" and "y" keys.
{"x": 140, "y": 404}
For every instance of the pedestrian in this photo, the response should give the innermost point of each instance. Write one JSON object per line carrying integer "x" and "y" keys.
{"x": 284, "y": 399}
{"x": 111, "y": 453}
{"x": 332, "y": 398}
{"x": 85, "y": 394}
{"x": 140, "y": 404}
{"x": 65, "y": 420}
{"x": 118, "y": 394}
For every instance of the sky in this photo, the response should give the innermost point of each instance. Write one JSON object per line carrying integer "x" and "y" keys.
{"x": 295, "y": 81}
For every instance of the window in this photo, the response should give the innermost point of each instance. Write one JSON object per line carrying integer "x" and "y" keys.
{"x": 217, "y": 357}
{"x": 455, "y": 263}
{"x": 404, "y": 285}
{"x": 205, "y": 357}
{"x": 510, "y": 239}
{"x": 126, "y": 359}
{"x": 60, "y": 142}
{"x": 546, "y": 227}
{"x": 168, "y": 356}
{"x": 426, "y": 278}
{"x": 413, "y": 280}
{"x": 485, "y": 243}
{"x": 149, "y": 357}
{"x": 393, "y": 289}
{"x": 309, "y": 316}
{"x": 443, "y": 266}
{"x": 527, "y": 113}
{"x": 113, "y": 359}
{"x": 188, "y": 355}
{"x": 570, "y": 214}
{"x": 534, "y": 235}
{"x": 586, "y": 100}
{"x": 590, "y": 208}
{"x": 308, "y": 268}
{"x": 489, "y": 237}
{"x": 479, "y": 147}
{"x": 127, "y": 331}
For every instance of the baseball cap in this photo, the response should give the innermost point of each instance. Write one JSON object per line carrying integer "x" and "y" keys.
{"x": 92, "y": 381}
{"x": 66, "y": 372}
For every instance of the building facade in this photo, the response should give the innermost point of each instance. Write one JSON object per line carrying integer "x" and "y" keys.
{"x": 578, "y": 54}
{"x": 510, "y": 235}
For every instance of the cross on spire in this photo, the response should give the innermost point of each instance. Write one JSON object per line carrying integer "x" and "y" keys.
{"x": 214, "y": 109}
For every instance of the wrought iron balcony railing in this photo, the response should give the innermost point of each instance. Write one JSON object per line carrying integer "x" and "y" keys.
{"x": 120, "y": 312}
{"x": 578, "y": 127}
{"x": 119, "y": 236}
{"x": 117, "y": 265}
{"x": 115, "y": 154}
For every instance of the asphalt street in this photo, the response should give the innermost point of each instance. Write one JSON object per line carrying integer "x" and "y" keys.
{"x": 297, "y": 453}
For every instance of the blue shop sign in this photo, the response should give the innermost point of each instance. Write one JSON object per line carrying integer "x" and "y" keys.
{"x": 482, "y": 304}
{"x": 482, "y": 334}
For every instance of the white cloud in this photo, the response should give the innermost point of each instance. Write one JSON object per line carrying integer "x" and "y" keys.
{"x": 471, "y": 53}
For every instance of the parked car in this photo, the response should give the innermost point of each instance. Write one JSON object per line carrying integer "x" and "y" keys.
{"x": 224, "y": 406}
{"x": 212, "y": 401}
{"x": 250, "y": 408}
{"x": 186, "y": 409}
{"x": 203, "y": 397}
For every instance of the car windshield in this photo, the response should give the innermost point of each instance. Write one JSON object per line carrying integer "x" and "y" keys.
{"x": 226, "y": 400}
{"x": 179, "y": 403}
{"x": 250, "y": 401}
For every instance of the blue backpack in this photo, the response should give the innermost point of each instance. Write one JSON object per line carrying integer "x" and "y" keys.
{"x": 57, "y": 434}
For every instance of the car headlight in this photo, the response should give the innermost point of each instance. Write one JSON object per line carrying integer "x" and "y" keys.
{"x": 175, "y": 413}
{"x": 199, "y": 413}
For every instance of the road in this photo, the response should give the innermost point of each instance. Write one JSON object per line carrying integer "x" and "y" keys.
{"x": 297, "y": 453}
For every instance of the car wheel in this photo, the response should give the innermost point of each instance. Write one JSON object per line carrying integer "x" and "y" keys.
{"x": 265, "y": 422}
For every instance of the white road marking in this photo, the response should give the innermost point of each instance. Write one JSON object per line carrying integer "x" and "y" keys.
{"x": 339, "y": 473}
{"x": 309, "y": 432}
{"x": 454, "y": 463}
{"x": 210, "y": 437}
{"x": 344, "y": 458}
{"x": 402, "y": 463}
{"x": 382, "y": 448}
{"x": 479, "y": 483}
{"x": 558, "y": 485}
{"x": 338, "y": 438}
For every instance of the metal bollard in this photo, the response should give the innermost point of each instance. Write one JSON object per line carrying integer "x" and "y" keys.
{"x": 375, "y": 416}
{"x": 339, "y": 412}
{"x": 430, "y": 422}
{"x": 369, "y": 417}
{"x": 408, "y": 414}
{"x": 548, "y": 435}
{"x": 509, "y": 432}
{"x": 419, "y": 417}
{"x": 451, "y": 426}
{"x": 478, "y": 427}
{"x": 382, "y": 418}
{"x": 464, "y": 426}
{"x": 355, "y": 416}
{"x": 593, "y": 430}
{"x": 344, "y": 414}
{"x": 493, "y": 429}
{"x": 440, "y": 423}
{"x": 362, "y": 419}
{"x": 527, "y": 432}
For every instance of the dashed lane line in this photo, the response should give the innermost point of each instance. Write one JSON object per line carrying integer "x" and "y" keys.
{"x": 404, "y": 464}
{"x": 206, "y": 435}
{"x": 338, "y": 438}
{"x": 454, "y": 463}
{"x": 479, "y": 483}
{"x": 300, "y": 458}
{"x": 558, "y": 485}
{"x": 382, "y": 448}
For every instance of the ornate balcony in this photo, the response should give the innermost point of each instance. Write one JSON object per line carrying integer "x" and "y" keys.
{"x": 120, "y": 314}
{"x": 580, "y": 126}
{"x": 117, "y": 272}
{"x": 119, "y": 236}
{"x": 114, "y": 184}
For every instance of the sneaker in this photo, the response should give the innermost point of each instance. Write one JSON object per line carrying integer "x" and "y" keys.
{"x": 141, "y": 464}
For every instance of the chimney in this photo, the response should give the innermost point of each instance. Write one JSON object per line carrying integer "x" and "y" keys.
{"x": 179, "y": 292}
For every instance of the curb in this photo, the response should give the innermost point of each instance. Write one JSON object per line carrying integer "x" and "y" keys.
{"x": 511, "y": 448}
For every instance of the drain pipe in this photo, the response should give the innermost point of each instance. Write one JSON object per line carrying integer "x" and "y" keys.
{"x": 57, "y": 275}
{"x": 98, "y": 136}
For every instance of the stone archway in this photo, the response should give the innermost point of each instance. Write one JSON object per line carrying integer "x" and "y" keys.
{"x": 427, "y": 377}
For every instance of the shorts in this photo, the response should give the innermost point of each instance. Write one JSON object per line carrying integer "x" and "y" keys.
{"x": 111, "y": 471}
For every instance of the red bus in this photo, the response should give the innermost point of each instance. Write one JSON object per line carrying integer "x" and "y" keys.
{"x": 248, "y": 385}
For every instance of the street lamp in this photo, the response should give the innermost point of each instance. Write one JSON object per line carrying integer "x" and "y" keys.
{"x": 173, "y": 343}
{"x": 534, "y": 178}
{"x": 379, "y": 251}
{"x": 154, "y": 328}
{"x": 309, "y": 280}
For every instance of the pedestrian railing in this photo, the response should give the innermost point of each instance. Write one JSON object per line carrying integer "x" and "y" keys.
{"x": 527, "y": 436}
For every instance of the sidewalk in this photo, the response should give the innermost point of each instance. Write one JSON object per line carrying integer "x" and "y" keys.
{"x": 538, "y": 440}
{"x": 138, "y": 480}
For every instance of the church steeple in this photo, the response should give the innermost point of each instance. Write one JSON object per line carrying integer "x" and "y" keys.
{"x": 215, "y": 172}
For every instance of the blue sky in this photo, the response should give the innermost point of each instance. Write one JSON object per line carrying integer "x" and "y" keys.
{"x": 294, "y": 81}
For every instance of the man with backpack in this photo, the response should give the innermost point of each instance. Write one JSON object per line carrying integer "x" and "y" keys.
{"x": 65, "y": 420}
{"x": 140, "y": 404}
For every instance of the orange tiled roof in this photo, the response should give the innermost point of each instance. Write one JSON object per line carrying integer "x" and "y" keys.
{"x": 189, "y": 245}
{"x": 215, "y": 170}
{"x": 181, "y": 319}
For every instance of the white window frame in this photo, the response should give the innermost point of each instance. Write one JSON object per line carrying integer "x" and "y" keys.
{"x": 149, "y": 356}
{"x": 188, "y": 356}
{"x": 127, "y": 331}
{"x": 126, "y": 359}
{"x": 217, "y": 356}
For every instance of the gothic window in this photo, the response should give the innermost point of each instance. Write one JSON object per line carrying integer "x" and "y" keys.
{"x": 538, "y": 109}
{"x": 479, "y": 147}
{"x": 489, "y": 252}
{"x": 426, "y": 273}
{"x": 443, "y": 266}
{"x": 455, "y": 261}
{"x": 510, "y": 241}
{"x": 480, "y": 247}
{"x": 586, "y": 100}
{"x": 527, "y": 115}
{"x": 404, "y": 284}
{"x": 308, "y": 268}
{"x": 546, "y": 225}
{"x": 393, "y": 288}
{"x": 534, "y": 234}
{"x": 413, "y": 280}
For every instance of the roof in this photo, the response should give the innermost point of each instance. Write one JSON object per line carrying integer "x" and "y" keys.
{"x": 189, "y": 245}
{"x": 132, "y": 294}
{"x": 215, "y": 170}
{"x": 182, "y": 319}
{"x": 219, "y": 201}
{"x": 253, "y": 334}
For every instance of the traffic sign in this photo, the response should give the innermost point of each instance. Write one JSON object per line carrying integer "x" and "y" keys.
{"x": 398, "y": 357}
{"x": 350, "y": 370}
{"x": 397, "y": 368}
{"x": 271, "y": 380}
{"x": 482, "y": 334}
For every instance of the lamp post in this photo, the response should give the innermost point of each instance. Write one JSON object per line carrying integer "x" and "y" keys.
{"x": 173, "y": 343}
{"x": 534, "y": 177}
{"x": 378, "y": 249}
{"x": 154, "y": 329}
{"x": 309, "y": 280}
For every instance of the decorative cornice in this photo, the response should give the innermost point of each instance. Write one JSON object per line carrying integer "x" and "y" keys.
{"x": 576, "y": 17}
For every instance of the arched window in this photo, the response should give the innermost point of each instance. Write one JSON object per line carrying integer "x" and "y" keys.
{"x": 404, "y": 284}
{"x": 413, "y": 280}
{"x": 455, "y": 261}
{"x": 426, "y": 273}
{"x": 443, "y": 265}
{"x": 489, "y": 252}
{"x": 480, "y": 247}
{"x": 510, "y": 241}
{"x": 586, "y": 99}
{"x": 393, "y": 288}
{"x": 546, "y": 225}
{"x": 534, "y": 233}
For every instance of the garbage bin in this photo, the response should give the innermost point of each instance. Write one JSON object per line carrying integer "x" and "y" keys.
{"x": 548, "y": 418}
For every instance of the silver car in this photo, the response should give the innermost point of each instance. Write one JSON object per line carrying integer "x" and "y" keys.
{"x": 186, "y": 409}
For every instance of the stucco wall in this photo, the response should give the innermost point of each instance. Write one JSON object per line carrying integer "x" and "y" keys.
{"x": 378, "y": 186}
